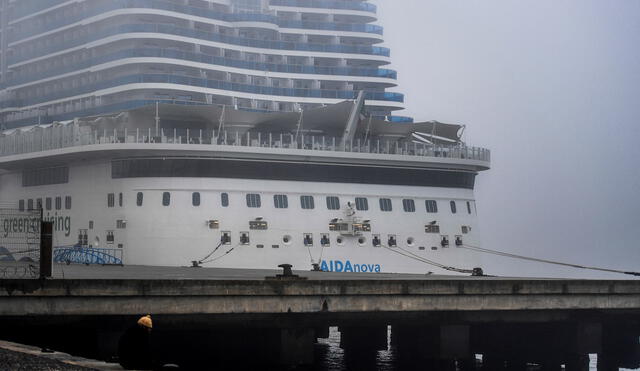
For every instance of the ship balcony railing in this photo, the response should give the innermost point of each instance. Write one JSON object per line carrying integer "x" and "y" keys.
{"x": 348, "y": 5}
{"x": 193, "y": 11}
{"x": 23, "y": 55}
{"x": 72, "y": 135}
{"x": 208, "y": 59}
{"x": 203, "y": 83}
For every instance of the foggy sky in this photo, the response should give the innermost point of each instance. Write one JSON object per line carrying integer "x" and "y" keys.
{"x": 552, "y": 87}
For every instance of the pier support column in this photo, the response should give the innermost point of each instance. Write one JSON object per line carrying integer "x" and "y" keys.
{"x": 361, "y": 345}
{"x": 296, "y": 346}
{"x": 620, "y": 347}
{"x": 454, "y": 342}
{"x": 577, "y": 362}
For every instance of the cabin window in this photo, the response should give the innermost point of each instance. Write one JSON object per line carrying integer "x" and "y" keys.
{"x": 224, "y": 199}
{"x": 21, "y": 205}
{"x": 38, "y": 203}
{"x": 362, "y": 203}
{"x": 385, "y": 204}
{"x": 195, "y": 199}
{"x": 166, "y": 198}
{"x": 453, "y": 207}
{"x": 58, "y": 203}
{"x": 67, "y": 202}
{"x": 120, "y": 199}
{"x": 30, "y": 204}
{"x": 432, "y": 206}
{"x": 409, "y": 205}
{"x": 333, "y": 203}
{"x": 110, "y": 200}
{"x": 280, "y": 201}
{"x": 469, "y": 207}
{"x": 307, "y": 202}
{"x": 47, "y": 202}
{"x": 253, "y": 200}
{"x": 139, "y": 198}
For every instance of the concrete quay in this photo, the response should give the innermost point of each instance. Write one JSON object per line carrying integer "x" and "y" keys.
{"x": 436, "y": 321}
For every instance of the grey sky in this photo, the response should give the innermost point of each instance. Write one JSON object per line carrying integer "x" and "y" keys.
{"x": 552, "y": 87}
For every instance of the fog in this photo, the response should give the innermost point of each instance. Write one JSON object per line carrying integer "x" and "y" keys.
{"x": 553, "y": 89}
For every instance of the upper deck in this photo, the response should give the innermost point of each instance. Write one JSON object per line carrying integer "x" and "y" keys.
{"x": 312, "y": 136}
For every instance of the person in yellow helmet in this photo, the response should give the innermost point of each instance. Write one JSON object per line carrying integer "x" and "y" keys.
{"x": 134, "y": 351}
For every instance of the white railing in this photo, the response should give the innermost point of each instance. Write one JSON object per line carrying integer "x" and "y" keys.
{"x": 56, "y": 137}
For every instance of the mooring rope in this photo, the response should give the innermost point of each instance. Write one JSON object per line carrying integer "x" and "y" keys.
{"x": 546, "y": 261}
{"x": 413, "y": 256}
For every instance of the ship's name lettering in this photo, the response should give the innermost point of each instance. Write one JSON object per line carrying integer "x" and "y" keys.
{"x": 32, "y": 225}
{"x": 347, "y": 266}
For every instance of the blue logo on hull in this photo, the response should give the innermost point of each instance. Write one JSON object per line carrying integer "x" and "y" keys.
{"x": 347, "y": 266}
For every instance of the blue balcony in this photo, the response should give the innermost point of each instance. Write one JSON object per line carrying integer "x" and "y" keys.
{"x": 204, "y": 83}
{"x": 349, "y": 5}
{"x": 208, "y": 36}
{"x": 204, "y": 58}
{"x": 32, "y": 29}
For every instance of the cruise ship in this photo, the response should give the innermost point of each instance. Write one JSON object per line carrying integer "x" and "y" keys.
{"x": 226, "y": 133}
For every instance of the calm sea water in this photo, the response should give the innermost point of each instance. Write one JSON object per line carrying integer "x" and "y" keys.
{"x": 332, "y": 357}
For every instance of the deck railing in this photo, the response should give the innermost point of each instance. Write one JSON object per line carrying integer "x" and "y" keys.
{"x": 71, "y": 135}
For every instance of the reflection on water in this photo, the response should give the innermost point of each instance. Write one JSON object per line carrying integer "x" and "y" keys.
{"x": 330, "y": 357}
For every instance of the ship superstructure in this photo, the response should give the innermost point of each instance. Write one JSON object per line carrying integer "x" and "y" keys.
{"x": 62, "y": 59}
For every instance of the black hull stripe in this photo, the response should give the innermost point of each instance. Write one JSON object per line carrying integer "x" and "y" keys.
{"x": 306, "y": 172}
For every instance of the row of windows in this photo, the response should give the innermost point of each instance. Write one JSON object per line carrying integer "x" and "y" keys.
{"x": 52, "y": 175}
{"x": 36, "y": 204}
{"x": 254, "y": 200}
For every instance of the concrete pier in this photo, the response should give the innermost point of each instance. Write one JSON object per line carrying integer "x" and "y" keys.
{"x": 436, "y": 321}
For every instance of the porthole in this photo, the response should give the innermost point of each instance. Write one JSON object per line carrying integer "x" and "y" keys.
{"x": 340, "y": 241}
{"x": 411, "y": 241}
{"x": 286, "y": 239}
{"x": 362, "y": 241}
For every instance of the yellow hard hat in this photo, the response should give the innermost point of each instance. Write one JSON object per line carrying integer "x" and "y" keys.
{"x": 146, "y": 321}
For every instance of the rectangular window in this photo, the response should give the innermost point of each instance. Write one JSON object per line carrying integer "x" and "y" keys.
{"x": 409, "y": 205}
{"x": 224, "y": 199}
{"x": 67, "y": 202}
{"x": 362, "y": 203}
{"x": 469, "y": 207}
{"x": 385, "y": 204}
{"x": 253, "y": 200}
{"x": 139, "y": 198}
{"x": 121, "y": 224}
{"x": 110, "y": 200}
{"x": 166, "y": 198}
{"x": 38, "y": 203}
{"x": 333, "y": 203}
{"x": 280, "y": 201}
{"x": 30, "y": 204}
{"x": 195, "y": 199}
{"x": 21, "y": 205}
{"x": 58, "y": 203}
{"x": 432, "y": 206}
{"x": 110, "y": 237}
{"x": 120, "y": 199}
{"x": 453, "y": 207}
{"x": 52, "y": 175}
{"x": 48, "y": 203}
{"x": 307, "y": 202}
